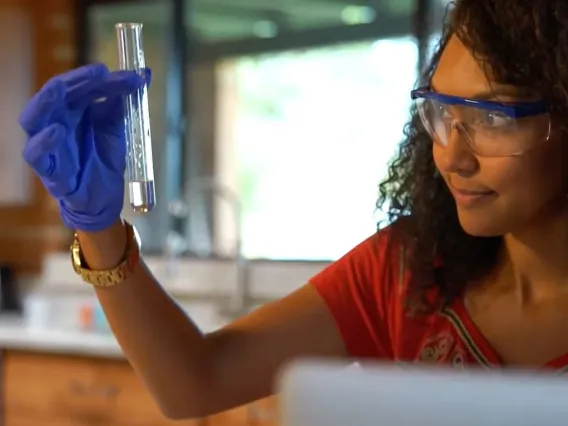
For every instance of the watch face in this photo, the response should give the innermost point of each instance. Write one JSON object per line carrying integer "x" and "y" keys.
{"x": 76, "y": 258}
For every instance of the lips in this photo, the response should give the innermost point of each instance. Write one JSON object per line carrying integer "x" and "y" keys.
{"x": 472, "y": 191}
{"x": 471, "y": 197}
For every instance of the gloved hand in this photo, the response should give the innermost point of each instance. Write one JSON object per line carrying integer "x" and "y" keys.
{"x": 76, "y": 143}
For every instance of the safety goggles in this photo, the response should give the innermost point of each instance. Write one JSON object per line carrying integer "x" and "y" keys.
{"x": 491, "y": 129}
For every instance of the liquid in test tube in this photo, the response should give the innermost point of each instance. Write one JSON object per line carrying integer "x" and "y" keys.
{"x": 139, "y": 164}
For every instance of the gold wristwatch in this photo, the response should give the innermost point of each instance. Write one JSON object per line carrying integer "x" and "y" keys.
{"x": 116, "y": 275}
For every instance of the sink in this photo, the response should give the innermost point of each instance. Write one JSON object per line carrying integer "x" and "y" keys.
{"x": 205, "y": 314}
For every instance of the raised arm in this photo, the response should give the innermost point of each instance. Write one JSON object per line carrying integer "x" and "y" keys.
{"x": 76, "y": 146}
{"x": 192, "y": 374}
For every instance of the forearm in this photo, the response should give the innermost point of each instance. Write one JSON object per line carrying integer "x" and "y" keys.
{"x": 165, "y": 348}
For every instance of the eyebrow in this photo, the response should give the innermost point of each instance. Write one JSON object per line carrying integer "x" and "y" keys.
{"x": 489, "y": 94}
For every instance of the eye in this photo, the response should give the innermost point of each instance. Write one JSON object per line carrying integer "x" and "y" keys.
{"x": 440, "y": 110}
{"x": 493, "y": 119}
{"x": 445, "y": 113}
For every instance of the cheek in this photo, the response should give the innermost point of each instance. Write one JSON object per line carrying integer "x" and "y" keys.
{"x": 527, "y": 182}
{"x": 437, "y": 155}
{"x": 524, "y": 182}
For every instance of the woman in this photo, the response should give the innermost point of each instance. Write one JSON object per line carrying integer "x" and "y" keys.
{"x": 472, "y": 272}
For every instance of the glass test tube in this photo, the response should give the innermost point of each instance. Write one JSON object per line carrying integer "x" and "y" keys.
{"x": 139, "y": 164}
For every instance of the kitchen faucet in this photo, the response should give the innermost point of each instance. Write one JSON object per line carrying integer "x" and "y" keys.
{"x": 189, "y": 207}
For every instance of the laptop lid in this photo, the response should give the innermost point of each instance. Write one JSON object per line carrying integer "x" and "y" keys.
{"x": 315, "y": 393}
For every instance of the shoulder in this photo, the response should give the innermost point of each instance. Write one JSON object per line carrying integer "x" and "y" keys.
{"x": 379, "y": 254}
{"x": 364, "y": 291}
{"x": 381, "y": 257}
{"x": 384, "y": 254}
{"x": 373, "y": 274}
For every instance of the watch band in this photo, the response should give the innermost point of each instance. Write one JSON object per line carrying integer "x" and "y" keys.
{"x": 109, "y": 277}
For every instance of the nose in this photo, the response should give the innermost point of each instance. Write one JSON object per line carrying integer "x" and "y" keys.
{"x": 456, "y": 156}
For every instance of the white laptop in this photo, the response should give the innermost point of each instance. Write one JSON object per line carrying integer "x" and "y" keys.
{"x": 327, "y": 394}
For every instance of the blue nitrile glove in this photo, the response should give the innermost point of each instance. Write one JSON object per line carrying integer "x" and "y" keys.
{"x": 76, "y": 143}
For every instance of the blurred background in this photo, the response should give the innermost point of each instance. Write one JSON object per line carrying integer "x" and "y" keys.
{"x": 291, "y": 107}
{"x": 272, "y": 122}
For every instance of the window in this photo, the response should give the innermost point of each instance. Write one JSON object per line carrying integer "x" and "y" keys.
{"x": 314, "y": 131}
{"x": 102, "y": 18}
{"x": 302, "y": 136}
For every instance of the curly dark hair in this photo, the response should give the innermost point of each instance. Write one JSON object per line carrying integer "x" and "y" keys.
{"x": 524, "y": 43}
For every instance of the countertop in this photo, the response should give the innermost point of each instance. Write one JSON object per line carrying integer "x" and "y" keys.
{"x": 17, "y": 333}
{"x": 59, "y": 291}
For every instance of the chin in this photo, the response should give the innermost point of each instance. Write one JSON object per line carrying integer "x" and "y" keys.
{"x": 483, "y": 225}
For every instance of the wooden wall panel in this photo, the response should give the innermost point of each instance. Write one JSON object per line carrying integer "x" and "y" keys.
{"x": 28, "y": 231}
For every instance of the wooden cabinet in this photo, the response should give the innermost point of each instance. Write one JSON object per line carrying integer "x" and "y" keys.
{"x": 264, "y": 412}
{"x": 235, "y": 417}
{"x": 260, "y": 413}
{"x": 59, "y": 390}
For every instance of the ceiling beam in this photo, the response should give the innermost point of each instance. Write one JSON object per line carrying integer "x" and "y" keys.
{"x": 389, "y": 28}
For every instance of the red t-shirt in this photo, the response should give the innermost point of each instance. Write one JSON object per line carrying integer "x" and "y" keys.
{"x": 366, "y": 290}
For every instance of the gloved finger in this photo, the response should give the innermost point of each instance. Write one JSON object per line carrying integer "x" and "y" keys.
{"x": 39, "y": 151}
{"x": 108, "y": 119}
{"x": 147, "y": 76}
{"x": 107, "y": 116}
{"x": 80, "y": 88}
{"x": 37, "y": 113}
{"x": 83, "y": 74}
{"x": 116, "y": 83}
